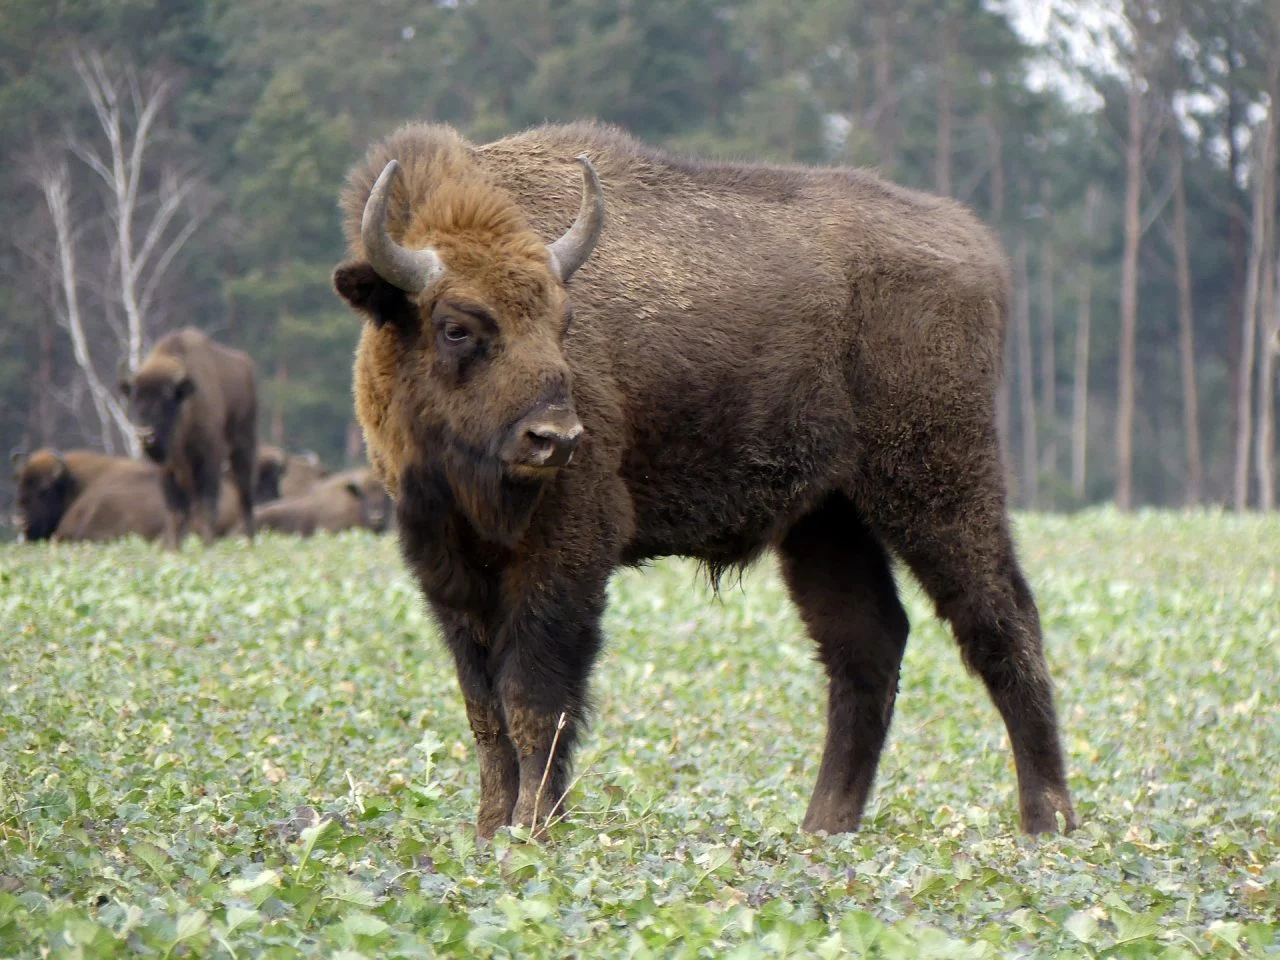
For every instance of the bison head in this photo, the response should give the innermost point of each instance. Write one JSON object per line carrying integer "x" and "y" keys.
{"x": 460, "y": 372}
{"x": 156, "y": 394}
{"x": 45, "y": 490}
{"x": 267, "y": 474}
{"x": 375, "y": 505}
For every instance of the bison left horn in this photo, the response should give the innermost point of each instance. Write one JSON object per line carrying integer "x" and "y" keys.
{"x": 411, "y": 270}
{"x": 571, "y": 250}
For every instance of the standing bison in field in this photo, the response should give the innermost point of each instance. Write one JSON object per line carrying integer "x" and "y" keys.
{"x": 743, "y": 358}
{"x": 195, "y": 405}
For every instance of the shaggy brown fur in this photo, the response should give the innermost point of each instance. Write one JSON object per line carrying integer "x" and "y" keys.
{"x": 120, "y": 504}
{"x": 354, "y": 498}
{"x": 196, "y": 403}
{"x": 761, "y": 357}
{"x": 49, "y": 482}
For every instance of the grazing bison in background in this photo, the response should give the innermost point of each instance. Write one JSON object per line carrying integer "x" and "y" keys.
{"x": 120, "y": 504}
{"x": 49, "y": 482}
{"x": 353, "y": 498}
{"x": 195, "y": 405}
{"x": 752, "y": 357}
{"x": 302, "y": 472}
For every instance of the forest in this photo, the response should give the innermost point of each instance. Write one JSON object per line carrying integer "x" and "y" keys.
{"x": 177, "y": 163}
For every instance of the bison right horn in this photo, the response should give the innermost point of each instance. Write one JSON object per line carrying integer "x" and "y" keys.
{"x": 571, "y": 250}
{"x": 411, "y": 270}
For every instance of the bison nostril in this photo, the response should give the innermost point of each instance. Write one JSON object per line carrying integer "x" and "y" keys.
{"x": 552, "y": 446}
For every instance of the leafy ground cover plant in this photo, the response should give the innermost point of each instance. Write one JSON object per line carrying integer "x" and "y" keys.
{"x": 261, "y": 752}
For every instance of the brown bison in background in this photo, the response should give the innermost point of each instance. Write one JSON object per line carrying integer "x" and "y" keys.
{"x": 49, "y": 482}
{"x": 754, "y": 357}
{"x": 353, "y": 498}
{"x": 195, "y": 405}
{"x": 131, "y": 503}
{"x": 120, "y": 504}
{"x": 302, "y": 472}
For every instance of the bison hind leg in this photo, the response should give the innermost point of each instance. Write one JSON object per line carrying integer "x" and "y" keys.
{"x": 840, "y": 578}
{"x": 958, "y": 544}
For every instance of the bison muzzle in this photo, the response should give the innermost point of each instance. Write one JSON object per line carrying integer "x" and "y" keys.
{"x": 745, "y": 358}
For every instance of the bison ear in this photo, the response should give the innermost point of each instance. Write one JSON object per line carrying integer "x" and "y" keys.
{"x": 366, "y": 292}
{"x": 184, "y": 388}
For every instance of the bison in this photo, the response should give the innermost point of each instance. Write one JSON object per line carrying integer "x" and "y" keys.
{"x": 745, "y": 358}
{"x": 132, "y": 503}
{"x": 49, "y": 482}
{"x": 353, "y": 498}
{"x": 195, "y": 405}
{"x": 302, "y": 472}
{"x": 120, "y": 504}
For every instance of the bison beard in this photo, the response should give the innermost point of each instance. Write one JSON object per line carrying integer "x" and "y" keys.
{"x": 833, "y": 402}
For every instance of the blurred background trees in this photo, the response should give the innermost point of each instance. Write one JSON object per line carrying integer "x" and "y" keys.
{"x": 1125, "y": 151}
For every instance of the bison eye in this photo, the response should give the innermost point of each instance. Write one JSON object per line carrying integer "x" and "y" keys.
{"x": 456, "y": 333}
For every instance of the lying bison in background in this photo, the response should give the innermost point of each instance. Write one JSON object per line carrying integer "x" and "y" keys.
{"x": 344, "y": 501}
{"x": 120, "y": 504}
{"x": 49, "y": 482}
{"x": 131, "y": 503}
{"x": 753, "y": 357}
{"x": 195, "y": 405}
{"x": 302, "y": 473}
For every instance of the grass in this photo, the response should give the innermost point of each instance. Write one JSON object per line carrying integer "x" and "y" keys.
{"x": 262, "y": 752}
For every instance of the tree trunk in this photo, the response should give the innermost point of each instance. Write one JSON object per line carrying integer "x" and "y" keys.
{"x": 1264, "y": 444}
{"x": 1186, "y": 332}
{"x": 1237, "y": 245}
{"x": 1048, "y": 360}
{"x": 1263, "y": 182}
{"x": 277, "y": 412}
{"x": 885, "y": 121}
{"x": 1129, "y": 298}
{"x": 57, "y": 195}
{"x": 946, "y": 111}
{"x": 1026, "y": 376}
{"x": 1080, "y": 391}
{"x": 44, "y": 385}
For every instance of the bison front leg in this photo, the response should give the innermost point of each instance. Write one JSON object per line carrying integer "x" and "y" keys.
{"x": 542, "y": 685}
{"x": 499, "y": 771}
{"x": 177, "y": 501}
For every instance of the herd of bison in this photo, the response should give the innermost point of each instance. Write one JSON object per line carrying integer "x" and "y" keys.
{"x": 579, "y": 353}
{"x": 194, "y": 404}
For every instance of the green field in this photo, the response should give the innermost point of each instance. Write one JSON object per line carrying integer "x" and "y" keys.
{"x": 261, "y": 752}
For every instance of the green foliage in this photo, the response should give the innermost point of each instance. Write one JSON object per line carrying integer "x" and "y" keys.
{"x": 262, "y": 752}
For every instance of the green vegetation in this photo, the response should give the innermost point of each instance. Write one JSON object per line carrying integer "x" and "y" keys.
{"x": 261, "y": 752}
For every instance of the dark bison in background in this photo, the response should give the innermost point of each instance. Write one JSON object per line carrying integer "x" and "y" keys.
{"x": 752, "y": 357}
{"x": 195, "y": 405}
{"x": 344, "y": 501}
{"x": 49, "y": 481}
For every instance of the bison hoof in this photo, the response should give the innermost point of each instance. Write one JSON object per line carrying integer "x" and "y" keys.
{"x": 1040, "y": 815}
{"x": 831, "y": 816}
